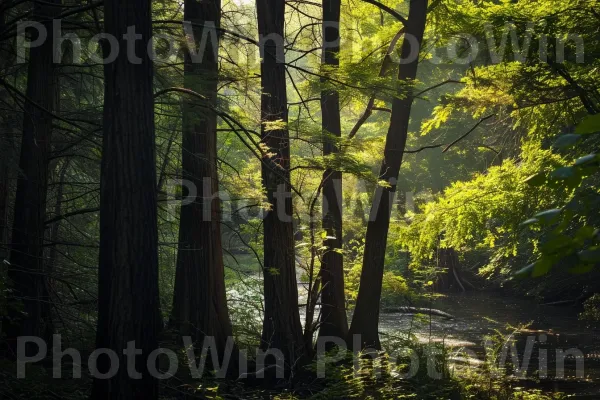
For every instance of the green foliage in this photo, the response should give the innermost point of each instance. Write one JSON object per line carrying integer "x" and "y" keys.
{"x": 484, "y": 213}
{"x": 381, "y": 378}
{"x": 395, "y": 287}
{"x": 591, "y": 311}
{"x": 535, "y": 202}
{"x": 512, "y": 197}
{"x": 572, "y": 239}
{"x": 40, "y": 385}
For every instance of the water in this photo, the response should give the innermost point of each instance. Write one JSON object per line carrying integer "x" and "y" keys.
{"x": 478, "y": 315}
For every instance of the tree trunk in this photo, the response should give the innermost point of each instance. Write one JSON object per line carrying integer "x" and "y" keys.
{"x": 449, "y": 278}
{"x": 281, "y": 327}
{"x": 200, "y": 303}
{"x": 55, "y": 227}
{"x": 333, "y": 305}
{"x": 4, "y": 151}
{"x": 365, "y": 321}
{"x": 128, "y": 295}
{"x": 4, "y": 188}
{"x": 26, "y": 272}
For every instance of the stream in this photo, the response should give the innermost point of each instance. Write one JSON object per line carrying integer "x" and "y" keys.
{"x": 550, "y": 328}
{"x": 480, "y": 314}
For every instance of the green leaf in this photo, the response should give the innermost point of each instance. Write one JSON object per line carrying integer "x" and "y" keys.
{"x": 548, "y": 215}
{"x": 537, "y": 269}
{"x": 536, "y": 180}
{"x": 563, "y": 173}
{"x": 567, "y": 140}
{"x": 557, "y": 243}
{"x": 586, "y": 160}
{"x": 585, "y": 232}
{"x": 571, "y": 263}
{"x": 542, "y": 267}
{"x": 574, "y": 182}
{"x": 591, "y": 124}
{"x": 274, "y": 125}
{"x": 530, "y": 221}
{"x": 590, "y": 255}
{"x": 581, "y": 269}
{"x": 525, "y": 272}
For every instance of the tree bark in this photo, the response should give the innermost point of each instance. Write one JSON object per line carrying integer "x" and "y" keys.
{"x": 26, "y": 271}
{"x": 365, "y": 321}
{"x": 55, "y": 227}
{"x": 200, "y": 303}
{"x": 282, "y": 329}
{"x": 128, "y": 295}
{"x": 4, "y": 189}
{"x": 4, "y": 151}
{"x": 334, "y": 321}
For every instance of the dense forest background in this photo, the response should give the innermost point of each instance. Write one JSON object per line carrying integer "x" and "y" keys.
{"x": 267, "y": 173}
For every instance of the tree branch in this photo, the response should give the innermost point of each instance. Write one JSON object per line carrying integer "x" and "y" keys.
{"x": 433, "y": 146}
{"x": 72, "y": 214}
{"x": 388, "y": 10}
{"x": 436, "y": 146}
{"x": 384, "y": 64}
{"x": 437, "y": 86}
{"x": 481, "y": 121}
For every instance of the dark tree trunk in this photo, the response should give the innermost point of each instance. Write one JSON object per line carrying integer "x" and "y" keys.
{"x": 4, "y": 151}
{"x": 128, "y": 296}
{"x": 200, "y": 303}
{"x": 333, "y": 305}
{"x": 365, "y": 321}
{"x": 55, "y": 227}
{"x": 281, "y": 328}
{"x": 4, "y": 189}
{"x": 26, "y": 272}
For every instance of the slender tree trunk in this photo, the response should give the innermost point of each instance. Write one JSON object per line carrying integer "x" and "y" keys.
{"x": 26, "y": 272}
{"x": 128, "y": 295}
{"x": 4, "y": 151}
{"x": 200, "y": 303}
{"x": 365, "y": 321}
{"x": 55, "y": 227}
{"x": 281, "y": 328}
{"x": 333, "y": 305}
{"x": 4, "y": 189}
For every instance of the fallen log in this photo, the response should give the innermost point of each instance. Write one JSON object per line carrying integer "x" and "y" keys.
{"x": 417, "y": 310}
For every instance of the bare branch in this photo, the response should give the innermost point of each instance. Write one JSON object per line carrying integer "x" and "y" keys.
{"x": 481, "y": 121}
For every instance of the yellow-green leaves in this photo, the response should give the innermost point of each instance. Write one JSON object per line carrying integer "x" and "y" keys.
{"x": 274, "y": 125}
{"x": 590, "y": 124}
